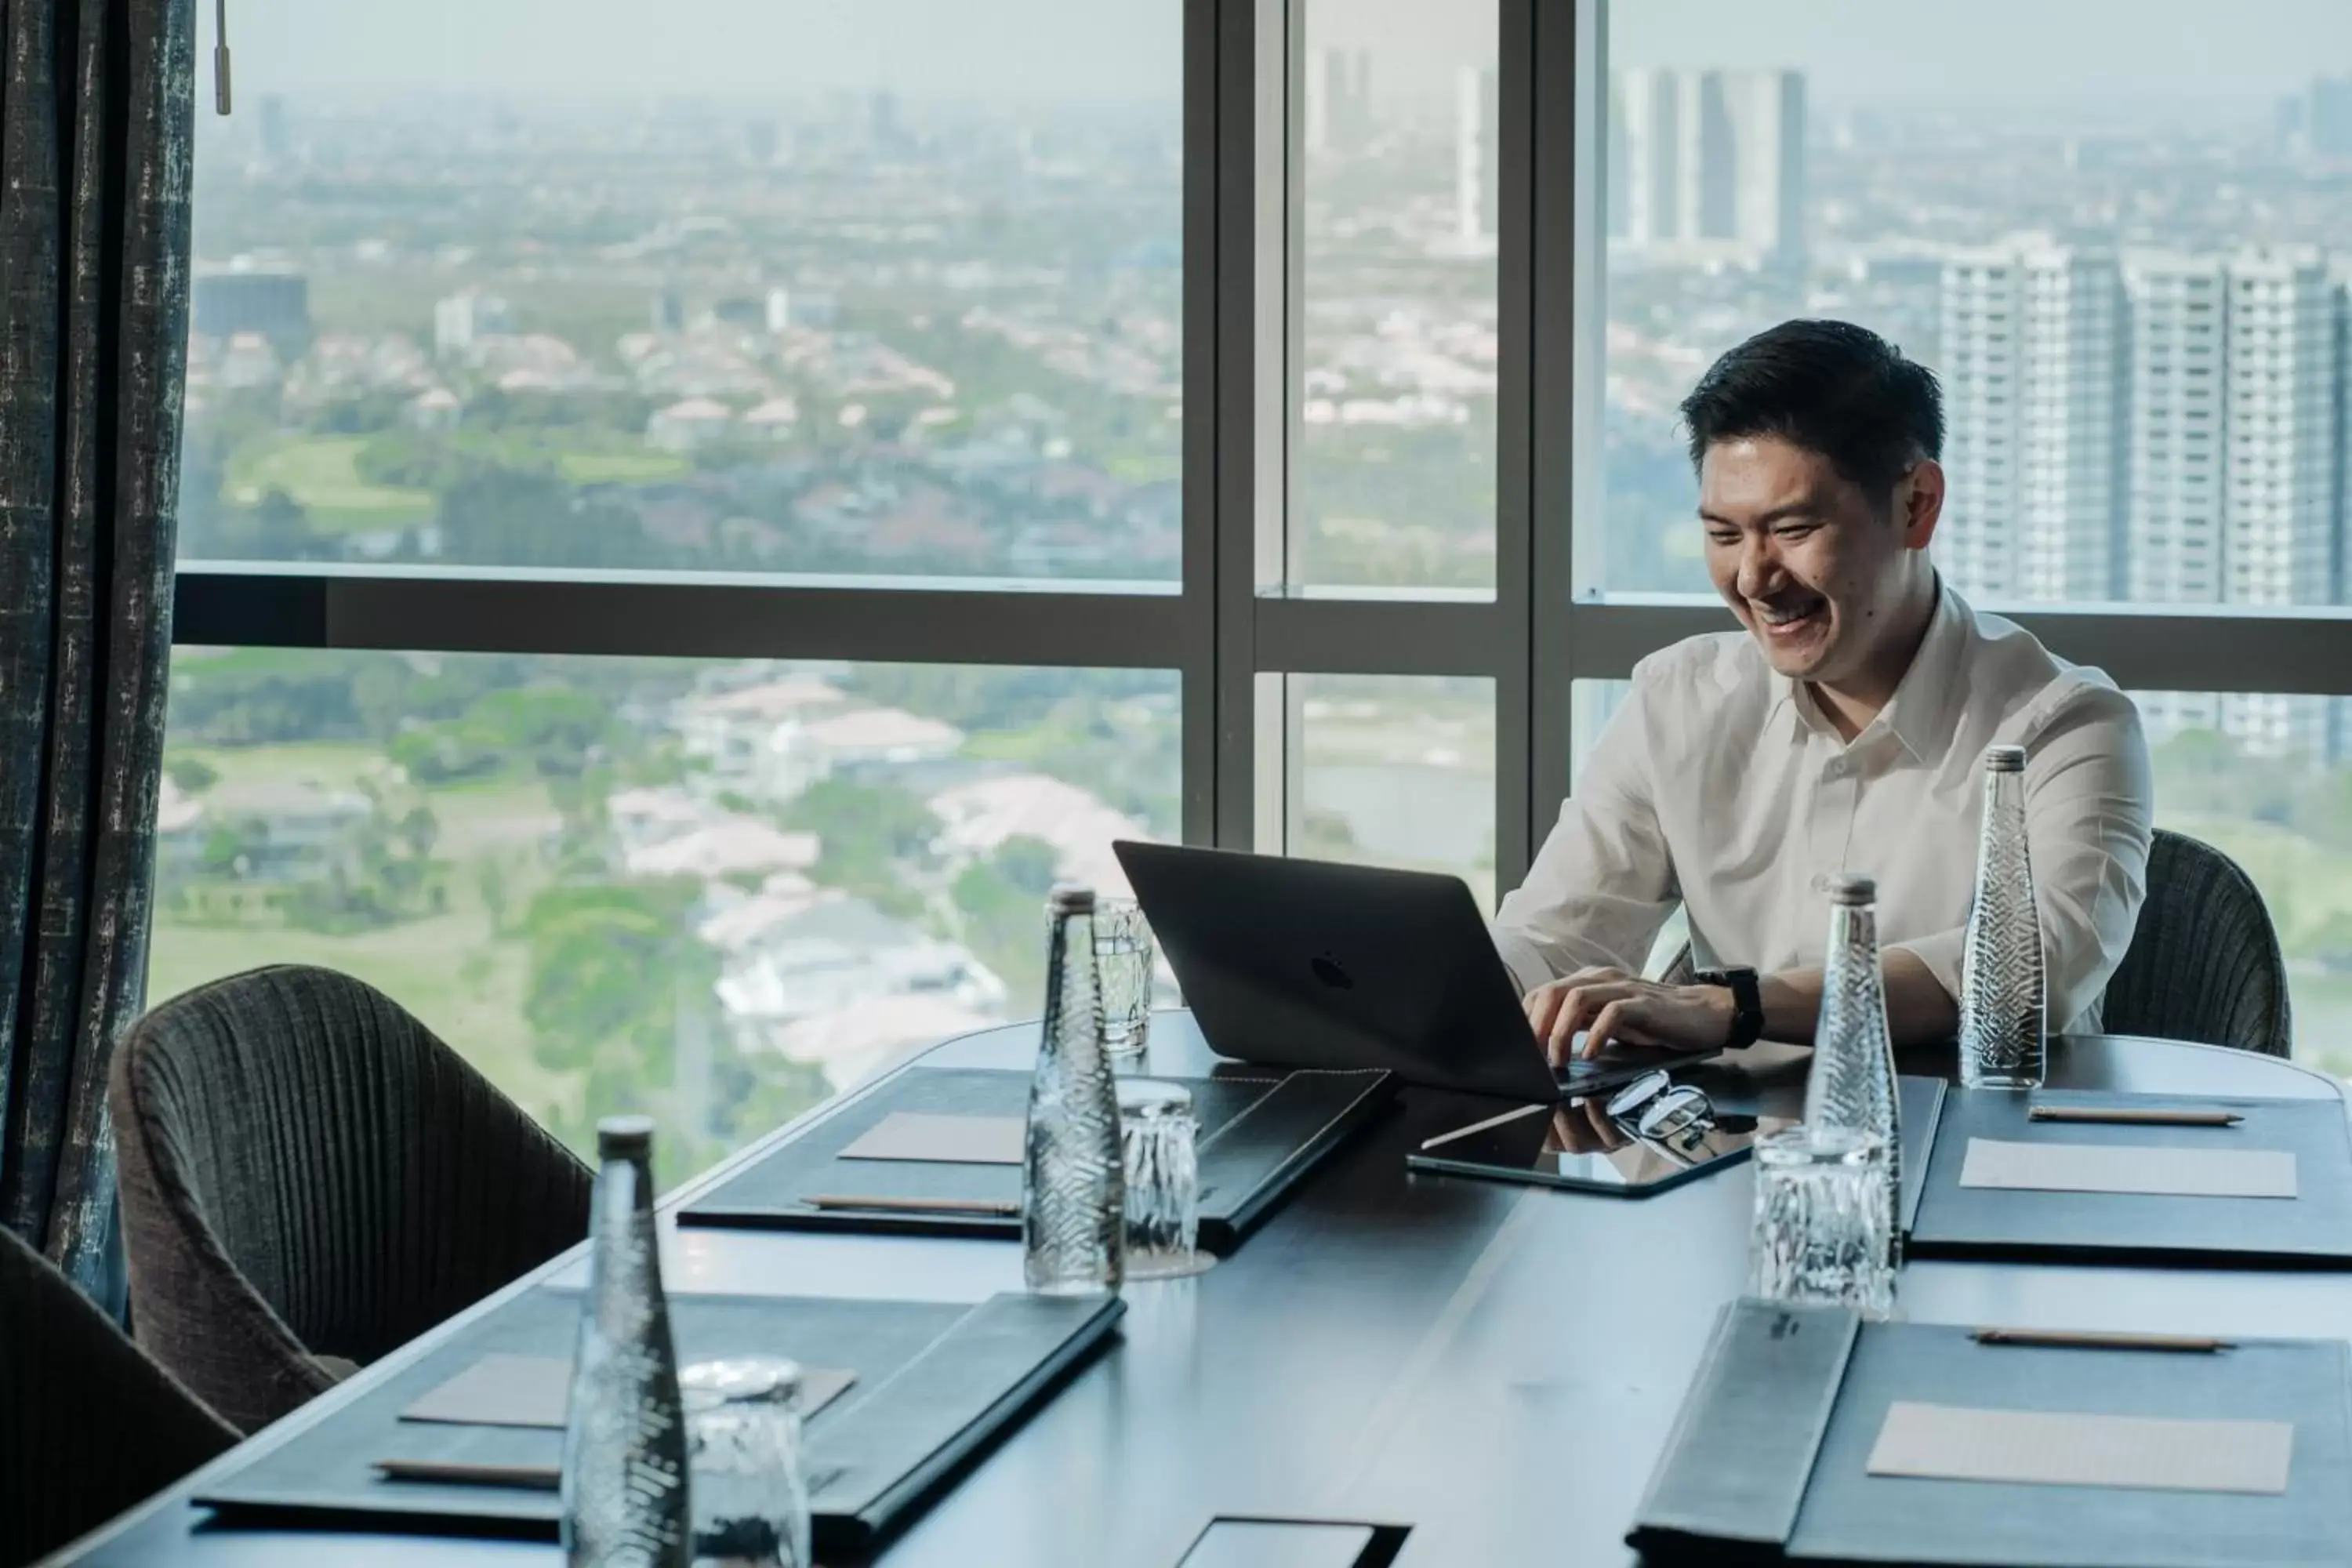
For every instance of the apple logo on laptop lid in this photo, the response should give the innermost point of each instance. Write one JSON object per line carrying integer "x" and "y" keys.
{"x": 1327, "y": 969}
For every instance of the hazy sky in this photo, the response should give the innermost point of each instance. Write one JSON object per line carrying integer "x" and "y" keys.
{"x": 1049, "y": 50}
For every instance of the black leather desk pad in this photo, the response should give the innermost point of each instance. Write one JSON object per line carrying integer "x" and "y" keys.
{"x": 1260, "y": 1131}
{"x": 935, "y": 1380}
{"x": 2310, "y": 1230}
{"x": 1766, "y": 1461}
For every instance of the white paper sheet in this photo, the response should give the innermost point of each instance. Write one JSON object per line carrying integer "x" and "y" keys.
{"x": 2144, "y": 1169}
{"x": 1948, "y": 1442}
{"x": 922, "y": 1136}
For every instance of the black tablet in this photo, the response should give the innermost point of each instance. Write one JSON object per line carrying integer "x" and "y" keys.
{"x": 1585, "y": 1148}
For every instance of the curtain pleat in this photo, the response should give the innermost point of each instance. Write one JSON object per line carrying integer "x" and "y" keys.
{"x": 95, "y": 131}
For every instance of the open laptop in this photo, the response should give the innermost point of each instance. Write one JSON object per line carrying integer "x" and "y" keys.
{"x": 1306, "y": 963}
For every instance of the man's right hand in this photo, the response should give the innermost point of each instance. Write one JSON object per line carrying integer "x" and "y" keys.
{"x": 1546, "y": 1004}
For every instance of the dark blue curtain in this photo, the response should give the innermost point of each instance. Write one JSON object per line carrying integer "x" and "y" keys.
{"x": 96, "y": 115}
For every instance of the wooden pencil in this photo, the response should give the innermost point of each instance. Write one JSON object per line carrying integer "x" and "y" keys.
{"x": 996, "y": 1209}
{"x": 2097, "y": 1339}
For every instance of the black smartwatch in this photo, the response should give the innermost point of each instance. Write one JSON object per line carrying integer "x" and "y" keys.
{"x": 1746, "y": 1003}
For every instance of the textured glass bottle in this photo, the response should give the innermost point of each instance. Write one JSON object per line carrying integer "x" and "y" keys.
{"x": 625, "y": 1472}
{"x": 1073, "y": 1189}
{"x": 1852, "y": 1085}
{"x": 2002, "y": 996}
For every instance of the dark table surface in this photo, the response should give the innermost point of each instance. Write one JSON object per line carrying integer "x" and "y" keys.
{"x": 1492, "y": 1365}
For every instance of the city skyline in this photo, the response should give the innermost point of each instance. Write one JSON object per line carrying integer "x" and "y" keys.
{"x": 1888, "y": 53}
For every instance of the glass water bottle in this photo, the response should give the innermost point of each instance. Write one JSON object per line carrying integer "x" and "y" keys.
{"x": 1851, "y": 1087}
{"x": 625, "y": 1469}
{"x": 2003, "y": 996}
{"x": 1074, "y": 1188}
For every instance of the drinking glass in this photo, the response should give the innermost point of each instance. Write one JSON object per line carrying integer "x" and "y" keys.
{"x": 1123, "y": 975}
{"x": 1159, "y": 1141}
{"x": 1822, "y": 1217}
{"x": 746, "y": 1486}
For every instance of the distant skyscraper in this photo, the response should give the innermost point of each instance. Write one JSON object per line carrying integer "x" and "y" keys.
{"x": 275, "y": 304}
{"x": 2282, "y": 427}
{"x": 2174, "y": 531}
{"x": 669, "y": 310}
{"x": 761, "y": 141}
{"x": 2178, "y": 347}
{"x": 2034, "y": 393}
{"x": 2281, "y": 465}
{"x": 1339, "y": 101}
{"x": 277, "y": 139}
{"x": 2325, "y": 123}
{"x": 780, "y": 309}
{"x": 1707, "y": 162}
{"x": 882, "y": 125}
{"x": 464, "y": 319}
{"x": 2237, "y": 456}
{"x": 2339, "y": 282}
{"x": 1477, "y": 154}
{"x": 1644, "y": 148}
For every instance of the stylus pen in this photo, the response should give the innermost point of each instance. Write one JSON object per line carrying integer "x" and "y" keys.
{"x": 2096, "y": 1340}
{"x": 1003, "y": 1208}
{"x": 2134, "y": 1116}
{"x": 1482, "y": 1126}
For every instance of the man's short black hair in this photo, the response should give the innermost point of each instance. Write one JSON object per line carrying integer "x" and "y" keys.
{"x": 1831, "y": 387}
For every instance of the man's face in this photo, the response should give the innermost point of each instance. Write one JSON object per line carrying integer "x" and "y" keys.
{"x": 1810, "y": 567}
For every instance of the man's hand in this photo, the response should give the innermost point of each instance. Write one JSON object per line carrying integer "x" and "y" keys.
{"x": 1585, "y": 1128}
{"x": 1610, "y": 1006}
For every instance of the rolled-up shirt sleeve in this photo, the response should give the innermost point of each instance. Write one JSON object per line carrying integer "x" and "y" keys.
{"x": 1603, "y": 883}
{"x": 2089, "y": 815}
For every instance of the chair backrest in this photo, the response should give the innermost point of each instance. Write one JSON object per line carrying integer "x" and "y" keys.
{"x": 307, "y": 1171}
{"x": 2204, "y": 962}
{"x": 88, "y": 1426}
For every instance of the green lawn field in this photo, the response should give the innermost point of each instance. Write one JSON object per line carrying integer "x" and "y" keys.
{"x": 321, "y": 473}
{"x": 619, "y": 468}
{"x": 453, "y": 969}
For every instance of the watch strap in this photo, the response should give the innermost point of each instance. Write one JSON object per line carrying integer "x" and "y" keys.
{"x": 1746, "y": 1003}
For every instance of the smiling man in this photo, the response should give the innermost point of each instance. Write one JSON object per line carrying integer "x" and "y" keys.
{"x": 1843, "y": 730}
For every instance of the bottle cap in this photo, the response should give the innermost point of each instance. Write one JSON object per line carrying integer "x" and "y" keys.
{"x": 2004, "y": 759}
{"x": 1070, "y": 899}
{"x": 625, "y": 1137}
{"x": 1852, "y": 890}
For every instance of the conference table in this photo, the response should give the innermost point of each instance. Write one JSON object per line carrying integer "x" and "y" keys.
{"x": 1493, "y": 1365}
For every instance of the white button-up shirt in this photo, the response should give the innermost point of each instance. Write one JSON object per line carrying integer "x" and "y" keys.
{"x": 1721, "y": 785}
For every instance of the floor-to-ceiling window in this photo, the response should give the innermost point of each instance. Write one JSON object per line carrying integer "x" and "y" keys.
{"x": 692, "y": 520}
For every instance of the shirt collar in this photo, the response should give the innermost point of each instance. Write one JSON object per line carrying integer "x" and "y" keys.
{"x": 1916, "y": 714}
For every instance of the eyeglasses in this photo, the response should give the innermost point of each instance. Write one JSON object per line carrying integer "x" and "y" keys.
{"x": 1654, "y": 1107}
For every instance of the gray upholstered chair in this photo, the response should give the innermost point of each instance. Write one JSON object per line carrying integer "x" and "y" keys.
{"x": 88, "y": 1426}
{"x": 310, "y": 1178}
{"x": 2204, "y": 964}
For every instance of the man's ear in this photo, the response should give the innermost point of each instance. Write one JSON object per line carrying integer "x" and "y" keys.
{"x": 1920, "y": 502}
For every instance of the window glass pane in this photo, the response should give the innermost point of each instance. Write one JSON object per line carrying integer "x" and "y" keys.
{"x": 2267, "y": 780}
{"x": 2105, "y": 228}
{"x": 713, "y": 891}
{"x": 1395, "y": 771}
{"x": 1395, "y": 482}
{"x": 883, "y": 287}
